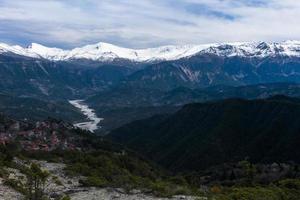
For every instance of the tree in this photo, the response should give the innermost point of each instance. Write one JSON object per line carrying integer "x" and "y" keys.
{"x": 36, "y": 181}
{"x": 249, "y": 170}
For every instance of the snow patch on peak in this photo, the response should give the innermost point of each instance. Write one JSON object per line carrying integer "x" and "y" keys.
{"x": 47, "y": 52}
{"x": 16, "y": 49}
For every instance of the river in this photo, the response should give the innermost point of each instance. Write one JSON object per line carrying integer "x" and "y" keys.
{"x": 93, "y": 119}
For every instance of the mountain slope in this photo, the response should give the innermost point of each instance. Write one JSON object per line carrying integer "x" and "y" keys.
{"x": 37, "y": 109}
{"x": 136, "y": 96}
{"x": 47, "y": 79}
{"x": 122, "y": 105}
{"x": 203, "y": 135}
{"x": 205, "y": 70}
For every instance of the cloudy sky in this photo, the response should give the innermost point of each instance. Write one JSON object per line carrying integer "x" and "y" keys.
{"x": 147, "y": 23}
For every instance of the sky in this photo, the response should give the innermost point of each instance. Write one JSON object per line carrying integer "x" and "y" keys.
{"x": 147, "y": 23}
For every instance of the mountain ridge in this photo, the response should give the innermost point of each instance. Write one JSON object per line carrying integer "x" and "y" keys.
{"x": 108, "y": 52}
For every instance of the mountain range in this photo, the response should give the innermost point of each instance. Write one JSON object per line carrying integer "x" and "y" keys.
{"x": 120, "y": 83}
{"x": 216, "y": 116}
{"x": 108, "y": 52}
{"x": 82, "y": 72}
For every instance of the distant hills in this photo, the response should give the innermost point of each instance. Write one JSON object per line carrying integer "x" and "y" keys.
{"x": 125, "y": 104}
{"x": 35, "y": 109}
{"x": 207, "y": 134}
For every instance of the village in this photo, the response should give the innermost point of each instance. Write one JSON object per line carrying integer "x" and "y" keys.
{"x": 48, "y": 135}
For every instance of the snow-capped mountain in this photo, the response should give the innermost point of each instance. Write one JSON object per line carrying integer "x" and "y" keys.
{"x": 109, "y": 52}
{"x": 256, "y": 49}
{"x": 193, "y": 66}
{"x": 104, "y": 52}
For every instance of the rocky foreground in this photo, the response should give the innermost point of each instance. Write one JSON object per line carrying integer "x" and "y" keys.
{"x": 59, "y": 185}
{"x": 96, "y": 194}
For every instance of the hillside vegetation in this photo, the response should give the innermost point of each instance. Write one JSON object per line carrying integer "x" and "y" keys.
{"x": 207, "y": 134}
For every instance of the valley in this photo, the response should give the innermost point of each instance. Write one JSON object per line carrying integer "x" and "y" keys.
{"x": 118, "y": 85}
{"x": 176, "y": 122}
{"x": 149, "y": 100}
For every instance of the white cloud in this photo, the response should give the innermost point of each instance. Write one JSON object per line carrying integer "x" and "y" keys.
{"x": 144, "y": 23}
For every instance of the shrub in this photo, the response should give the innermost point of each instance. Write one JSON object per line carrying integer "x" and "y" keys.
{"x": 16, "y": 185}
{"x": 3, "y": 172}
{"x": 94, "y": 181}
{"x": 56, "y": 180}
{"x": 216, "y": 189}
{"x": 290, "y": 184}
{"x": 255, "y": 193}
{"x": 66, "y": 198}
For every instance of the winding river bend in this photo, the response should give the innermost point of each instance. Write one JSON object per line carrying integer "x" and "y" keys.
{"x": 90, "y": 114}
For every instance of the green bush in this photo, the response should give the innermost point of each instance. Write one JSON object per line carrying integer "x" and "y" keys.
{"x": 3, "y": 172}
{"x": 258, "y": 193}
{"x": 161, "y": 189}
{"x": 290, "y": 184}
{"x": 56, "y": 180}
{"x": 94, "y": 181}
{"x": 16, "y": 185}
{"x": 66, "y": 198}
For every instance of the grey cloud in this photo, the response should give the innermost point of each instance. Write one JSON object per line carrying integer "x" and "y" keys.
{"x": 147, "y": 23}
